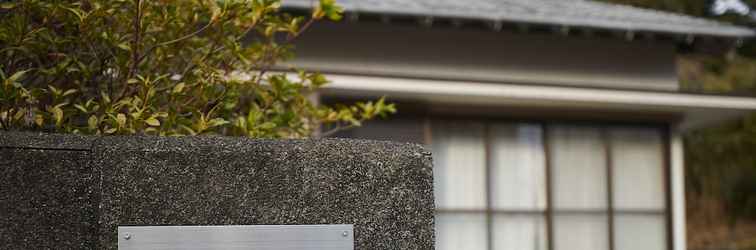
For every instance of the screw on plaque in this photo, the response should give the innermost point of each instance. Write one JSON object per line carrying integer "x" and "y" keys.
{"x": 345, "y": 234}
{"x": 127, "y": 236}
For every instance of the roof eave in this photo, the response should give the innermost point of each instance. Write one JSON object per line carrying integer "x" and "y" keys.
{"x": 693, "y": 110}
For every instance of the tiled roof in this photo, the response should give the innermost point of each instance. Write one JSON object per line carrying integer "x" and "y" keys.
{"x": 575, "y": 13}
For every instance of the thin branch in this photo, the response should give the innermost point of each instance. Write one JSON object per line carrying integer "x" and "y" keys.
{"x": 185, "y": 37}
{"x": 135, "y": 56}
{"x": 301, "y": 30}
{"x": 335, "y": 130}
{"x": 244, "y": 34}
{"x": 214, "y": 48}
{"x": 111, "y": 75}
{"x": 149, "y": 51}
{"x": 195, "y": 33}
{"x": 136, "y": 41}
{"x": 304, "y": 27}
{"x": 267, "y": 57}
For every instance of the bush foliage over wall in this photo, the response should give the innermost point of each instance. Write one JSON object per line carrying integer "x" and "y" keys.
{"x": 182, "y": 67}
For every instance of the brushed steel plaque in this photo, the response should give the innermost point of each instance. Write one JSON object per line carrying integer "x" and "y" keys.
{"x": 268, "y": 237}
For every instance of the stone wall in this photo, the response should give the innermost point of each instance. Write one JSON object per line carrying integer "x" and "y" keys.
{"x": 71, "y": 192}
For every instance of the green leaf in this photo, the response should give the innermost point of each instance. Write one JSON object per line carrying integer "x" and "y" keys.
{"x": 124, "y": 46}
{"x": 187, "y": 129}
{"x": 7, "y": 5}
{"x": 215, "y": 10}
{"x": 57, "y": 114}
{"x": 70, "y": 92}
{"x": 268, "y": 125}
{"x": 318, "y": 80}
{"x": 328, "y": 8}
{"x": 241, "y": 123}
{"x": 15, "y": 77}
{"x": 253, "y": 116}
{"x": 92, "y": 122}
{"x": 60, "y": 105}
{"x": 81, "y": 108}
{"x": 19, "y": 114}
{"x": 105, "y": 97}
{"x": 79, "y": 13}
{"x": 121, "y": 120}
{"x": 55, "y": 91}
{"x": 152, "y": 121}
{"x": 178, "y": 88}
{"x": 217, "y": 122}
{"x": 39, "y": 120}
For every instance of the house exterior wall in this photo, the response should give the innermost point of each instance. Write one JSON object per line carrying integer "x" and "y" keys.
{"x": 488, "y": 56}
{"x": 629, "y": 162}
{"x": 395, "y": 52}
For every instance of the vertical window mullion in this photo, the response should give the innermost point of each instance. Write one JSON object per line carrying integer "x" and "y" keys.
{"x": 609, "y": 184}
{"x": 489, "y": 184}
{"x": 549, "y": 198}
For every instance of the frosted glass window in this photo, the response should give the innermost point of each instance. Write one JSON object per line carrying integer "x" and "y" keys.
{"x": 647, "y": 232}
{"x": 465, "y": 231}
{"x": 519, "y": 232}
{"x": 518, "y": 167}
{"x": 578, "y": 161}
{"x": 581, "y": 232}
{"x": 460, "y": 165}
{"x": 638, "y": 173}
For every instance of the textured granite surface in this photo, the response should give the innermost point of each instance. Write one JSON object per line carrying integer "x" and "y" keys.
{"x": 48, "y": 197}
{"x": 65, "y": 142}
{"x": 384, "y": 189}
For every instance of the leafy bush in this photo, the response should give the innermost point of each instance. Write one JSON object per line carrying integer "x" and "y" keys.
{"x": 162, "y": 67}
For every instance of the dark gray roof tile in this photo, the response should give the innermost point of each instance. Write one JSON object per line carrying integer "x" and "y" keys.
{"x": 582, "y": 13}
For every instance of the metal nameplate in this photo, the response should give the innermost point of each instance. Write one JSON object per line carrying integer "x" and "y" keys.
{"x": 269, "y": 237}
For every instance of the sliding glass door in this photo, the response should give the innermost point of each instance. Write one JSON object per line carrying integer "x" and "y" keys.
{"x": 549, "y": 186}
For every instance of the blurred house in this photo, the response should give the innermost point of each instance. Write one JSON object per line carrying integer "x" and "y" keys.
{"x": 554, "y": 124}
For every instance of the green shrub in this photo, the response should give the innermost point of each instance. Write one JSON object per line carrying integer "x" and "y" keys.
{"x": 162, "y": 67}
